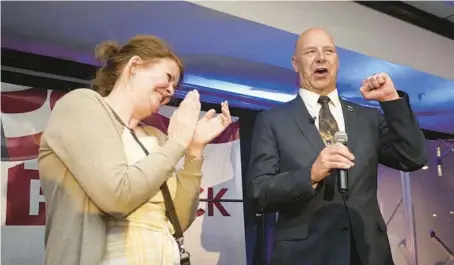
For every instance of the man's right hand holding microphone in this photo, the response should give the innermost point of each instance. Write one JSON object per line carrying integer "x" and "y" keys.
{"x": 336, "y": 156}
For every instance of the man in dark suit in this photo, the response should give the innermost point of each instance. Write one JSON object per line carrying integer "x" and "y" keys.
{"x": 294, "y": 161}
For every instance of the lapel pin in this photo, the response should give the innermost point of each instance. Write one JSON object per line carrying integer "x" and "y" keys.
{"x": 350, "y": 108}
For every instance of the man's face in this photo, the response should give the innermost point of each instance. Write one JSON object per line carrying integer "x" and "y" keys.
{"x": 316, "y": 61}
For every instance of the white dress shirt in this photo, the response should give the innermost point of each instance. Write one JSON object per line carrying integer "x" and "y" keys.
{"x": 310, "y": 99}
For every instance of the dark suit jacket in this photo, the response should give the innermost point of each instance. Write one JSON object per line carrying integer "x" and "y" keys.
{"x": 314, "y": 231}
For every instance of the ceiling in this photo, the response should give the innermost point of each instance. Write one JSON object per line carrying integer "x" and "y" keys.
{"x": 225, "y": 56}
{"x": 441, "y": 9}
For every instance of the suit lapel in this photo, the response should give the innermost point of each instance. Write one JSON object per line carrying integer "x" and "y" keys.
{"x": 300, "y": 115}
{"x": 351, "y": 121}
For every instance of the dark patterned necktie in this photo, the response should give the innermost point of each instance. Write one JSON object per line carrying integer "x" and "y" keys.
{"x": 327, "y": 124}
{"x": 328, "y": 127}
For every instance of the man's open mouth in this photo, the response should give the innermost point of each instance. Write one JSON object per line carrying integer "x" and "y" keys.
{"x": 321, "y": 71}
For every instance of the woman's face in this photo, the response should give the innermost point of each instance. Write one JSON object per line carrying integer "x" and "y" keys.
{"x": 153, "y": 86}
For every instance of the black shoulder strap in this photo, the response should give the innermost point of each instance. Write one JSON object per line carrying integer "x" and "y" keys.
{"x": 170, "y": 207}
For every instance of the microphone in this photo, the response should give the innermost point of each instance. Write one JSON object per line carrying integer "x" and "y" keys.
{"x": 312, "y": 119}
{"x": 342, "y": 174}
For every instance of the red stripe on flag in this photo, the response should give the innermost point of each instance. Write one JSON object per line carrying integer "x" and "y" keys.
{"x": 24, "y": 147}
{"x": 23, "y": 101}
{"x": 55, "y": 95}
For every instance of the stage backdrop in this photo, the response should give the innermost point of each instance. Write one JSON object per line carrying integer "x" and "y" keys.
{"x": 215, "y": 238}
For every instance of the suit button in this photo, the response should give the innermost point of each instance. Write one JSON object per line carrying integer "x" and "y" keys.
{"x": 344, "y": 229}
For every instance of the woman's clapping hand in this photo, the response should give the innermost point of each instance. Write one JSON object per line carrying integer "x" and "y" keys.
{"x": 211, "y": 125}
{"x": 183, "y": 122}
{"x": 186, "y": 128}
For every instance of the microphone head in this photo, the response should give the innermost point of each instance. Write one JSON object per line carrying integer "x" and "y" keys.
{"x": 340, "y": 137}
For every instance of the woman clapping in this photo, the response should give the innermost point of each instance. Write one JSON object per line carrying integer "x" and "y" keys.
{"x": 102, "y": 189}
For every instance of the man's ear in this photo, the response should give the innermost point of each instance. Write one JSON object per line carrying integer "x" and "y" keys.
{"x": 295, "y": 64}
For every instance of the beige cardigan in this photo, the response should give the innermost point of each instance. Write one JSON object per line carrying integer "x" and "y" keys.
{"x": 85, "y": 177}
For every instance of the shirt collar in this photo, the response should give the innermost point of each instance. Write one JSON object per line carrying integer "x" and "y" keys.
{"x": 311, "y": 98}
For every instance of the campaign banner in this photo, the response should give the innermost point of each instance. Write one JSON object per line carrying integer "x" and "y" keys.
{"x": 216, "y": 236}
